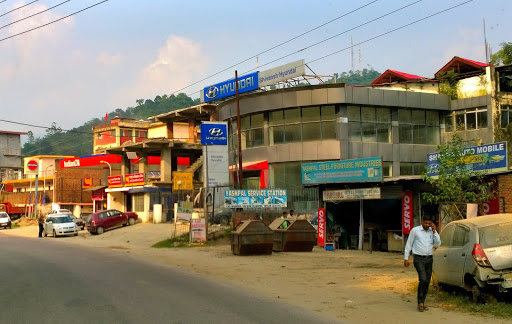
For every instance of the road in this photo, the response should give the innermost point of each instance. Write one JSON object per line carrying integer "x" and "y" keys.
{"x": 50, "y": 281}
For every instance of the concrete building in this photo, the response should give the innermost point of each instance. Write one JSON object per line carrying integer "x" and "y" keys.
{"x": 11, "y": 166}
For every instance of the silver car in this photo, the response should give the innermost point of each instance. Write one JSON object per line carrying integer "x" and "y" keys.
{"x": 476, "y": 254}
{"x": 58, "y": 225}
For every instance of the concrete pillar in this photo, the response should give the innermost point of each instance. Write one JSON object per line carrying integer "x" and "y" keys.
{"x": 191, "y": 131}
{"x": 125, "y": 165}
{"x": 166, "y": 165}
{"x": 143, "y": 165}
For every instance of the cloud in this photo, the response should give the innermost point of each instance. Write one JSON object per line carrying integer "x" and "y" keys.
{"x": 178, "y": 63}
{"x": 110, "y": 59}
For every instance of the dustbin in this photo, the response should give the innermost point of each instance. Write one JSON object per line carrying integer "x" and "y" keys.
{"x": 354, "y": 241}
{"x": 297, "y": 236}
{"x": 251, "y": 237}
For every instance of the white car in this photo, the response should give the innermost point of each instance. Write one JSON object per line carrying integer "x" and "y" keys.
{"x": 5, "y": 220}
{"x": 58, "y": 225}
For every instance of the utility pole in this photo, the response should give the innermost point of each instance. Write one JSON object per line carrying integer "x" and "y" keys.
{"x": 239, "y": 134}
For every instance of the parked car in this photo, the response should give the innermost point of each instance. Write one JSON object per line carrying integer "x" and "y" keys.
{"x": 221, "y": 216}
{"x": 58, "y": 225}
{"x": 5, "y": 220}
{"x": 60, "y": 211}
{"x": 475, "y": 254}
{"x": 79, "y": 222}
{"x": 100, "y": 221}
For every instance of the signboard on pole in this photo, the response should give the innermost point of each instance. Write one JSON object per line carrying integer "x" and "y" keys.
{"x": 357, "y": 170}
{"x": 255, "y": 198}
{"x": 491, "y": 158}
{"x": 31, "y": 167}
{"x": 198, "y": 230}
{"x": 407, "y": 212}
{"x": 186, "y": 178}
{"x": 214, "y": 133}
{"x": 185, "y": 210}
{"x": 115, "y": 181}
{"x": 321, "y": 227}
{"x": 87, "y": 183}
{"x": 282, "y": 73}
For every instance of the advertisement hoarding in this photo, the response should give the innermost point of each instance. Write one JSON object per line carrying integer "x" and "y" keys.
{"x": 186, "y": 178}
{"x": 407, "y": 212}
{"x": 135, "y": 179}
{"x": 197, "y": 230}
{"x": 321, "y": 227}
{"x": 217, "y": 161}
{"x": 491, "y": 158}
{"x": 214, "y": 133}
{"x": 282, "y": 73}
{"x": 358, "y": 170}
{"x": 351, "y": 194}
{"x": 115, "y": 181}
{"x": 255, "y": 198}
{"x": 247, "y": 82}
{"x": 87, "y": 182}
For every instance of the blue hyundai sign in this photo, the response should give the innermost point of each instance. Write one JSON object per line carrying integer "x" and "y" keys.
{"x": 490, "y": 157}
{"x": 227, "y": 88}
{"x": 214, "y": 133}
{"x": 358, "y": 170}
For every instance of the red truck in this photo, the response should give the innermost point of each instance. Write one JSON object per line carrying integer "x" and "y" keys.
{"x": 13, "y": 211}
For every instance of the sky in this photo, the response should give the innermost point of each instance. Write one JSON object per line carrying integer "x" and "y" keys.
{"x": 112, "y": 54}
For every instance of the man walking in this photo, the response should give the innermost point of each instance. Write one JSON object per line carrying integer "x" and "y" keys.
{"x": 422, "y": 239}
{"x": 40, "y": 221}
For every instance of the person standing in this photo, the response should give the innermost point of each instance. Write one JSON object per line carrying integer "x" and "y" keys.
{"x": 422, "y": 239}
{"x": 40, "y": 221}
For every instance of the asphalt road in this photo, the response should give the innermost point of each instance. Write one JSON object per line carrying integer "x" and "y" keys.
{"x": 49, "y": 281}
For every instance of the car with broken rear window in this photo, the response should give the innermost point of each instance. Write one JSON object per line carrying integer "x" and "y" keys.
{"x": 476, "y": 254}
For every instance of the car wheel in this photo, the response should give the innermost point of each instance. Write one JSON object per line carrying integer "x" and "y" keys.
{"x": 224, "y": 220}
{"x": 131, "y": 220}
{"x": 100, "y": 230}
{"x": 76, "y": 234}
{"x": 475, "y": 290}
{"x": 54, "y": 234}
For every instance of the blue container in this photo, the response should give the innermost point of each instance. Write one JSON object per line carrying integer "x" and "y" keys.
{"x": 329, "y": 248}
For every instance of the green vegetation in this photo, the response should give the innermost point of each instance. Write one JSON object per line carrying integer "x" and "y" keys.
{"x": 79, "y": 140}
{"x": 448, "y": 84}
{"x": 504, "y": 55}
{"x": 461, "y": 301}
{"x": 364, "y": 77}
{"x": 179, "y": 241}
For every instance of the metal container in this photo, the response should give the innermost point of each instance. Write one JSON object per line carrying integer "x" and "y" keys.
{"x": 296, "y": 236}
{"x": 251, "y": 237}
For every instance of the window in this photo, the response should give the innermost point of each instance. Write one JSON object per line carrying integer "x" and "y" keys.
{"x": 113, "y": 133}
{"x": 138, "y": 202}
{"x": 506, "y": 115}
{"x": 467, "y": 119}
{"x": 252, "y": 131}
{"x": 446, "y": 235}
{"x": 418, "y": 127}
{"x": 128, "y": 133}
{"x": 137, "y": 133}
{"x": 412, "y": 168}
{"x": 143, "y": 134}
{"x": 285, "y": 175}
{"x": 460, "y": 236}
{"x": 369, "y": 124}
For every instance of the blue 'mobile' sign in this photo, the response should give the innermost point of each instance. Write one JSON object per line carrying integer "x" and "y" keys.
{"x": 358, "y": 170}
{"x": 490, "y": 157}
{"x": 227, "y": 88}
{"x": 214, "y": 133}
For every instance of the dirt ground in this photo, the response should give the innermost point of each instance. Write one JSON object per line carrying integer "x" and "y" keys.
{"x": 355, "y": 286}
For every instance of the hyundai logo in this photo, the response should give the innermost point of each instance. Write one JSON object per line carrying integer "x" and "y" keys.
{"x": 212, "y": 92}
{"x": 215, "y": 132}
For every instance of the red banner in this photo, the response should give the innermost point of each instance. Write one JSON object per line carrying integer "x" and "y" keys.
{"x": 407, "y": 212}
{"x": 115, "y": 182}
{"x": 321, "y": 227}
{"x": 492, "y": 206}
{"x": 136, "y": 179}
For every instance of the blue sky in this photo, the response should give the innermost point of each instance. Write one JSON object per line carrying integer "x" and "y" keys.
{"x": 122, "y": 50}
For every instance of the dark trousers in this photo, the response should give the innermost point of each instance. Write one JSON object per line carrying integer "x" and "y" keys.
{"x": 423, "y": 265}
{"x": 40, "y": 230}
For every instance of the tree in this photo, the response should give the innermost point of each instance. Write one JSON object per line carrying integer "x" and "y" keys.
{"x": 448, "y": 84}
{"x": 139, "y": 102}
{"x": 364, "y": 77}
{"x": 53, "y": 129}
{"x": 504, "y": 55}
{"x": 456, "y": 183}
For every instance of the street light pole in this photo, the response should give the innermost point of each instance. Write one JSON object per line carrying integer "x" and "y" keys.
{"x": 54, "y": 183}
{"x": 109, "y": 167}
{"x": 44, "y": 184}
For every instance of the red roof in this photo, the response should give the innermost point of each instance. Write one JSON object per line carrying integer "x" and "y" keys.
{"x": 390, "y": 76}
{"x": 14, "y": 133}
{"x": 462, "y": 65}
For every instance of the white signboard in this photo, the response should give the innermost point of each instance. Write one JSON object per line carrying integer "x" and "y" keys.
{"x": 352, "y": 194}
{"x": 282, "y": 73}
{"x": 198, "y": 230}
{"x": 217, "y": 162}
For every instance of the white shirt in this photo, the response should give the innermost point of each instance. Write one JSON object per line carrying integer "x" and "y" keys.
{"x": 421, "y": 242}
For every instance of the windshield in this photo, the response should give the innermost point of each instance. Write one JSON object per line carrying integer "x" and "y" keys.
{"x": 4, "y": 215}
{"x": 64, "y": 219}
{"x": 496, "y": 235}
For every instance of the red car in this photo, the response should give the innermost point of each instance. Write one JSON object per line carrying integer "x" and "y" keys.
{"x": 100, "y": 221}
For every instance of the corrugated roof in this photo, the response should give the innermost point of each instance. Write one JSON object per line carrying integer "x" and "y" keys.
{"x": 390, "y": 76}
{"x": 461, "y": 65}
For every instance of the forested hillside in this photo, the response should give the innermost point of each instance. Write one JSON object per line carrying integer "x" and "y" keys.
{"x": 78, "y": 141}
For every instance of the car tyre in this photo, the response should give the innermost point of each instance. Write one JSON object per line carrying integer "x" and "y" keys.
{"x": 100, "y": 230}
{"x": 475, "y": 290}
{"x": 54, "y": 234}
{"x": 76, "y": 234}
{"x": 131, "y": 220}
{"x": 224, "y": 220}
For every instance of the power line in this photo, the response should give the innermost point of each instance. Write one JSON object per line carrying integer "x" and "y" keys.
{"x": 54, "y": 21}
{"x": 276, "y": 46}
{"x": 40, "y": 12}
{"x": 8, "y": 12}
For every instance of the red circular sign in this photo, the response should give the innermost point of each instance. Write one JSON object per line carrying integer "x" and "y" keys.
{"x": 32, "y": 165}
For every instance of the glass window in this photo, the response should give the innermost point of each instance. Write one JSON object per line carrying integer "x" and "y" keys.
{"x": 448, "y": 123}
{"x": 418, "y": 168}
{"x": 138, "y": 202}
{"x": 418, "y": 134}
{"x": 276, "y": 118}
{"x": 310, "y": 114}
{"x": 328, "y": 113}
{"x": 292, "y": 116}
{"x": 387, "y": 169}
{"x": 276, "y": 135}
{"x": 113, "y": 133}
{"x": 406, "y": 168}
{"x": 384, "y": 133}
{"x": 471, "y": 120}
{"x": 245, "y": 123}
{"x": 433, "y": 135}
{"x": 328, "y": 130}
{"x": 284, "y": 175}
{"x": 311, "y": 132}
{"x": 367, "y": 114}
{"x": 292, "y": 133}
{"x": 418, "y": 117}
{"x": 257, "y": 120}
{"x": 369, "y": 132}
{"x": 460, "y": 122}
{"x": 404, "y": 116}
{"x": 383, "y": 115}
{"x": 354, "y": 113}
{"x": 504, "y": 118}
{"x": 432, "y": 117}
{"x": 460, "y": 236}
{"x": 446, "y": 235}
{"x": 482, "y": 119}
{"x": 354, "y": 131}
{"x": 405, "y": 134}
